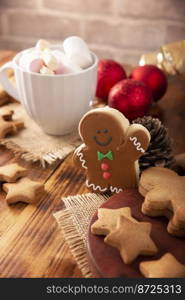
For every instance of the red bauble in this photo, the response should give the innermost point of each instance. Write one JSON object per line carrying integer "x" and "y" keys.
{"x": 132, "y": 98}
{"x": 109, "y": 73}
{"x": 154, "y": 78}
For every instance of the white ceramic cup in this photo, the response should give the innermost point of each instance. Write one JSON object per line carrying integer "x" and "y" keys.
{"x": 55, "y": 102}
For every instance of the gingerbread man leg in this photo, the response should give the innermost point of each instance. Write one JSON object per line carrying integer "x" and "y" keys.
{"x": 178, "y": 217}
{"x": 96, "y": 186}
{"x": 155, "y": 203}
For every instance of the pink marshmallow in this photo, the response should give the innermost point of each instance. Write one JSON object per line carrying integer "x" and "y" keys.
{"x": 60, "y": 69}
{"x": 63, "y": 69}
{"x": 31, "y": 62}
{"x": 35, "y": 65}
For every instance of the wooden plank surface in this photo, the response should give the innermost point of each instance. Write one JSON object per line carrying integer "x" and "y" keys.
{"x": 31, "y": 244}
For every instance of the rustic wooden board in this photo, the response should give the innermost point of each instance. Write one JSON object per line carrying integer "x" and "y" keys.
{"x": 30, "y": 243}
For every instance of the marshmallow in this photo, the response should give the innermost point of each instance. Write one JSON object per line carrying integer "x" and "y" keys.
{"x": 65, "y": 66}
{"x": 44, "y": 59}
{"x": 46, "y": 71}
{"x": 31, "y": 62}
{"x": 50, "y": 60}
{"x": 42, "y": 44}
{"x": 60, "y": 70}
{"x": 77, "y": 51}
{"x": 35, "y": 65}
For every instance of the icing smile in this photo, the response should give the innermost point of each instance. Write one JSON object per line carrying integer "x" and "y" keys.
{"x": 106, "y": 143}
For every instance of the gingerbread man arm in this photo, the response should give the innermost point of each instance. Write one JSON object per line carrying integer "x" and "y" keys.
{"x": 136, "y": 142}
{"x": 78, "y": 157}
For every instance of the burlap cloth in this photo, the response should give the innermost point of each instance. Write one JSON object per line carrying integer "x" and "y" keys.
{"x": 73, "y": 220}
{"x": 32, "y": 144}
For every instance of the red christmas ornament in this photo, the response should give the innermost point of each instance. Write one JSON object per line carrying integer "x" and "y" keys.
{"x": 109, "y": 73}
{"x": 154, "y": 78}
{"x": 132, "y": 98}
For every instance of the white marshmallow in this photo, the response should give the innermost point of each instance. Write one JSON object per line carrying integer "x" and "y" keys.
{"x": 46, "y": 71}
{"x": 42, "y": 44}
{"x": 50, "y": 60}
{"x": 65, "y": 66}
{"x": 77, "y": 51}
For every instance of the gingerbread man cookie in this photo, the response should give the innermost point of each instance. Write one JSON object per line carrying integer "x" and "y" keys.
{"x": 164, "y": 192}
{"x": 111, "y": 150}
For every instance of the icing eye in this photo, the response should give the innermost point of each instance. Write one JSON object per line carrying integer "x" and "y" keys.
{"x": 98, "y": 131}
{"x": 105, "y": 131}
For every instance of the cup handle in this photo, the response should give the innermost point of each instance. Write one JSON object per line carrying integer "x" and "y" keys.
{"x": 8, "y": 86}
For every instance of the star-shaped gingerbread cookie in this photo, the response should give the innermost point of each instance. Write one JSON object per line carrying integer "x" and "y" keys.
{"x": 24, "y": 190}
{"x": 107, "y": 219}
{"x": 5, "y": 128}
{"x": 164, "y": 192}
{"x": 6, "y": 113}
{"x": 7, "y": 124}
{"x": 132, "y": 239}
{"x": 12, "y": 172}
{"x": 165, "y": 267}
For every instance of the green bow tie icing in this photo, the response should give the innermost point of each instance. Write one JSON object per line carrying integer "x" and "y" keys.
{"x": 108, "y": 155}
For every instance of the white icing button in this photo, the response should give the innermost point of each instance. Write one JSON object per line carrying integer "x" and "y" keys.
{"x": 50, "y": 60}
{"x": 42, "y": 44}
{"x": 45, "y": 71}
{"x": 77, "y": 51}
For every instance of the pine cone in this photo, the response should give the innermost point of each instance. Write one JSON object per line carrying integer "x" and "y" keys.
{"x": 159, "y": 152}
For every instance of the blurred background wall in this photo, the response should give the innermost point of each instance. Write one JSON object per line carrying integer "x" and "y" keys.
{"x": 119, "y": 29}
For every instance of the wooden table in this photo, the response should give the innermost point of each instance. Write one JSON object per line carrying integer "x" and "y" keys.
{"x": 31, "y": 245}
